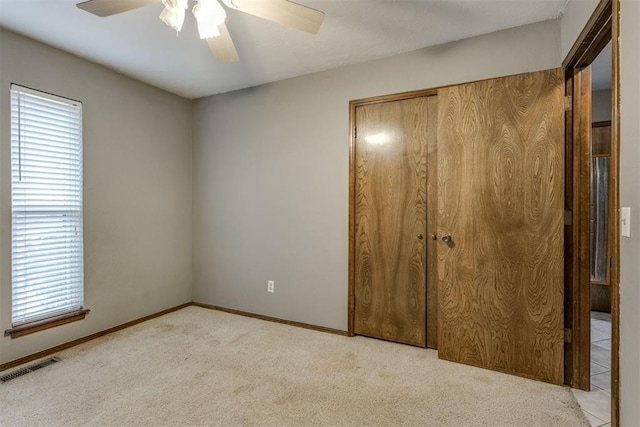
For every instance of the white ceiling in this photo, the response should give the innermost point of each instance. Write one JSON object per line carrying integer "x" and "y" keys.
{"x": 138, "y": 44}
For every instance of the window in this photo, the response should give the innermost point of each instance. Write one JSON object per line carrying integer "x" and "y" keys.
{"x": 46, "y": 195}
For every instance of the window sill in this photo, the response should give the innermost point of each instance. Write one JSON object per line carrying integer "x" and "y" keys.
{"x": 41, "y": 325}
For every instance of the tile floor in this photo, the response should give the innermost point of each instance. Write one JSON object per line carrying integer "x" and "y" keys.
{"x": 596, "y": 404}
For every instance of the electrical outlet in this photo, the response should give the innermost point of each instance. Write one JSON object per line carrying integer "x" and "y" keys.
{"x": 270, "y": 286}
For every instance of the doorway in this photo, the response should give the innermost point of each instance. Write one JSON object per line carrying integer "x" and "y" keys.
{"x": 597, "y": 403}
{"x": 592, "y": 250}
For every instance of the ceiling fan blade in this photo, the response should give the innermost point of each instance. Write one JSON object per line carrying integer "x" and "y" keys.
{"x": 283, "y": 12}
{"x": 222, "y": 46}
{"x": 111, "y": 7}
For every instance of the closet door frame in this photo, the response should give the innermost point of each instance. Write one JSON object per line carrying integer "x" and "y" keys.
{"x": 431, "y": 303}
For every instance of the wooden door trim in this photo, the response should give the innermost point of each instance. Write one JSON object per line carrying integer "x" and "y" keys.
{"x": 351, "y": 299}
{"x": 578, "y": 231}
{"x": 569, "y": 245}
{"x": 614, "y": 203}
{"x": 602, "y": 27}
{"x": 390, "y": 98}
{"x": 593, "y": 38}
{"x": 602, "y": 124}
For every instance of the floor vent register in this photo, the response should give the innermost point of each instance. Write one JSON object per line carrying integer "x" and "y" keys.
{"x": 28, "y": 369}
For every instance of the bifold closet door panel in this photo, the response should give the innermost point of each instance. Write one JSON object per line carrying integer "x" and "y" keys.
{"x": 391, "y": 220}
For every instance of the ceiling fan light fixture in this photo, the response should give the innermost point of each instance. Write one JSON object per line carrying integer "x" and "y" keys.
{"x": 173, "y": 13}
{"x": 229, "y": 3}
{"x": 209, "y": 15}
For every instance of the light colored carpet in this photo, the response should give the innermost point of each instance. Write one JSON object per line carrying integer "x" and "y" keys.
{"x": 203, "y": 367}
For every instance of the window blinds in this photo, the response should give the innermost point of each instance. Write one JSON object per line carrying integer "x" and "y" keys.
{"x": 46, "y": 196}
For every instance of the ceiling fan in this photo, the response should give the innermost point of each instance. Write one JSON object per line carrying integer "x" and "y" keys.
{"x": 211, "y": 17}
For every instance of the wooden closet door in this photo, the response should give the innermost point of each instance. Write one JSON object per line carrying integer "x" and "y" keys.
{"x": 500, "y": 199}
{"x": 391, "y": 219}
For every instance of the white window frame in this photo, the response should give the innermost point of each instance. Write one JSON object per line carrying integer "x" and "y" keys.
{"x": 47, "y": 260}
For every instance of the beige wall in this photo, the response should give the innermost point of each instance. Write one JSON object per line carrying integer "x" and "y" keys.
{"x": 630, "y": 196}
{"x": 137, "y": 191}
{"x": 271, "y": 172}
{"x": 601, "y": 101}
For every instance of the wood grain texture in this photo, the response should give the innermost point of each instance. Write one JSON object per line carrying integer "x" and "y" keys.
{"x": 578, "y": 231}
{"x": 351, "y": 297}
{"x": 395, "y": 97}
{"x": 500, "y": 197}
{"x": 390, "y": 213}
{"x": 601, "y": 140}
{"x": 432, "y": 222}
{"x": 569, "y": 245}
{"x": 104, "y": 8}
{"x": 222, "y": 47}
{"x": 581, "y": 208}
{"x": 595, "y": 35}
{"x": 41, "y": 325}
{"x": 601, "y": 297}
{"x": 614, "y": 205}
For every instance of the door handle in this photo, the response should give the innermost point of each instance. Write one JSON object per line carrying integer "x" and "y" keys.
{"x": 446, "y": 238}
